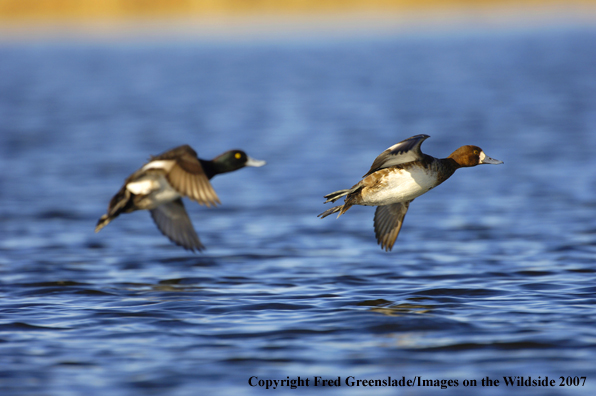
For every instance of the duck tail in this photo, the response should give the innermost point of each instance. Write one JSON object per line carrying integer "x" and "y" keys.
{"x": 104, "y": 221}
{"x": 122, "y": 202}
{"x": 341, "y": 209}
{"x": 334, "y": 196}
{"x": 328, "y": 212}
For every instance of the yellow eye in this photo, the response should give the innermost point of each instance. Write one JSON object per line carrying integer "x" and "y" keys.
{"x": 237, "y": 155}
{"x": 476, "y": 152}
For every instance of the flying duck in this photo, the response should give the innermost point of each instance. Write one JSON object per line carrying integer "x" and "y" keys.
{"x": 399, "y": 175}
{"x": 162, "y": 182}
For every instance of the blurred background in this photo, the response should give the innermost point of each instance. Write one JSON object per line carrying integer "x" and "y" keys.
{"x": 225, "y": 17}
{"x": 493, "y": 273}
{"x": 66, "y": 9}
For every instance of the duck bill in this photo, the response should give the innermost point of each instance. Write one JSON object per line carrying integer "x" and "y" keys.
{"x": 485, "y": 159}
{"x": 254, "y": 162}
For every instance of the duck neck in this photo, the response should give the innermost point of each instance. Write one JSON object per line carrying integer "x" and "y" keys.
{"x": 211, "y": 168}
{"x": 215, "y": 167}
{"x": 451, "y": 163}
{"x": 448, "y": 167}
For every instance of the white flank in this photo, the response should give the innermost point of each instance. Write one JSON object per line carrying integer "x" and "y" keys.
{"x": 157, "y": 191}
{"x": 142, "y": 187}
{"x": 400, "y": 186}
{"x": 165, "y": 193}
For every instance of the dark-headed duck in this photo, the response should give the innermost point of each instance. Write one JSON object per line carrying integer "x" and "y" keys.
{"x": 162, "y": 182}
{"x": 397, "y": 176}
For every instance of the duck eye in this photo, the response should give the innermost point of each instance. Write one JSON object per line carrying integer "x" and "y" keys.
{"x": 237, "y": 155}
{"x": 476, "y": 152}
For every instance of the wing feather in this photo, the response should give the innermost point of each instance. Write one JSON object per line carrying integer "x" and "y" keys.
{"x": 407, "y": 150}
{"x": 195, "y": 186}
{"x": 388, "y": 221}
{"x": 173, "y": 221}
{"x": 186, "y": 174}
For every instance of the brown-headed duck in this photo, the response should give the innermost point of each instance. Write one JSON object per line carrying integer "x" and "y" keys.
{"x": 397, "y": 176}
{"x": 162, "y": 182}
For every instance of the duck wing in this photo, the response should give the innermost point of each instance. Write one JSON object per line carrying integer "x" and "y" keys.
{"x": 388, "y": 222}
{"x": 405, "y": 151}
{"x": 185, "y": 174}
{"x": 172, "y": 220}
{"x": 189, "y": 179}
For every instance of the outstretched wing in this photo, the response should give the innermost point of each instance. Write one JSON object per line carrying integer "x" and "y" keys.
{"x": 185, "y": 173}
{"x": 388, "y": 222}
{"x": 405, "y": 151}
{"x": 192, "y": 183}
{"x": 172, "y": 220}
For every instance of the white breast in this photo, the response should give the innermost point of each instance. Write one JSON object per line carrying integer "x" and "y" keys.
{"x": 400, "y": 185}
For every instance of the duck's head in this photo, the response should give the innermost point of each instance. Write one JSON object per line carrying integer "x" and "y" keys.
{"x": 467, "y": 156}
{"x": 235, "y": 159}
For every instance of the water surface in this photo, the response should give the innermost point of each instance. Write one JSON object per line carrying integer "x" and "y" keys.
{"x": 493, "y": 274}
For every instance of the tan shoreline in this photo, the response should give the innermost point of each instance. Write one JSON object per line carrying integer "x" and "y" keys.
{"x": 44, "y": 10}
{"x": 275, "y": 25}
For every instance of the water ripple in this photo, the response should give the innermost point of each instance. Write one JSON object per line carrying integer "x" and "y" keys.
{"x": 493, "y": 273}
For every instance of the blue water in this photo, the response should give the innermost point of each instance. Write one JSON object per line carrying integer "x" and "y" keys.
{"x": 493, "y": 275}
